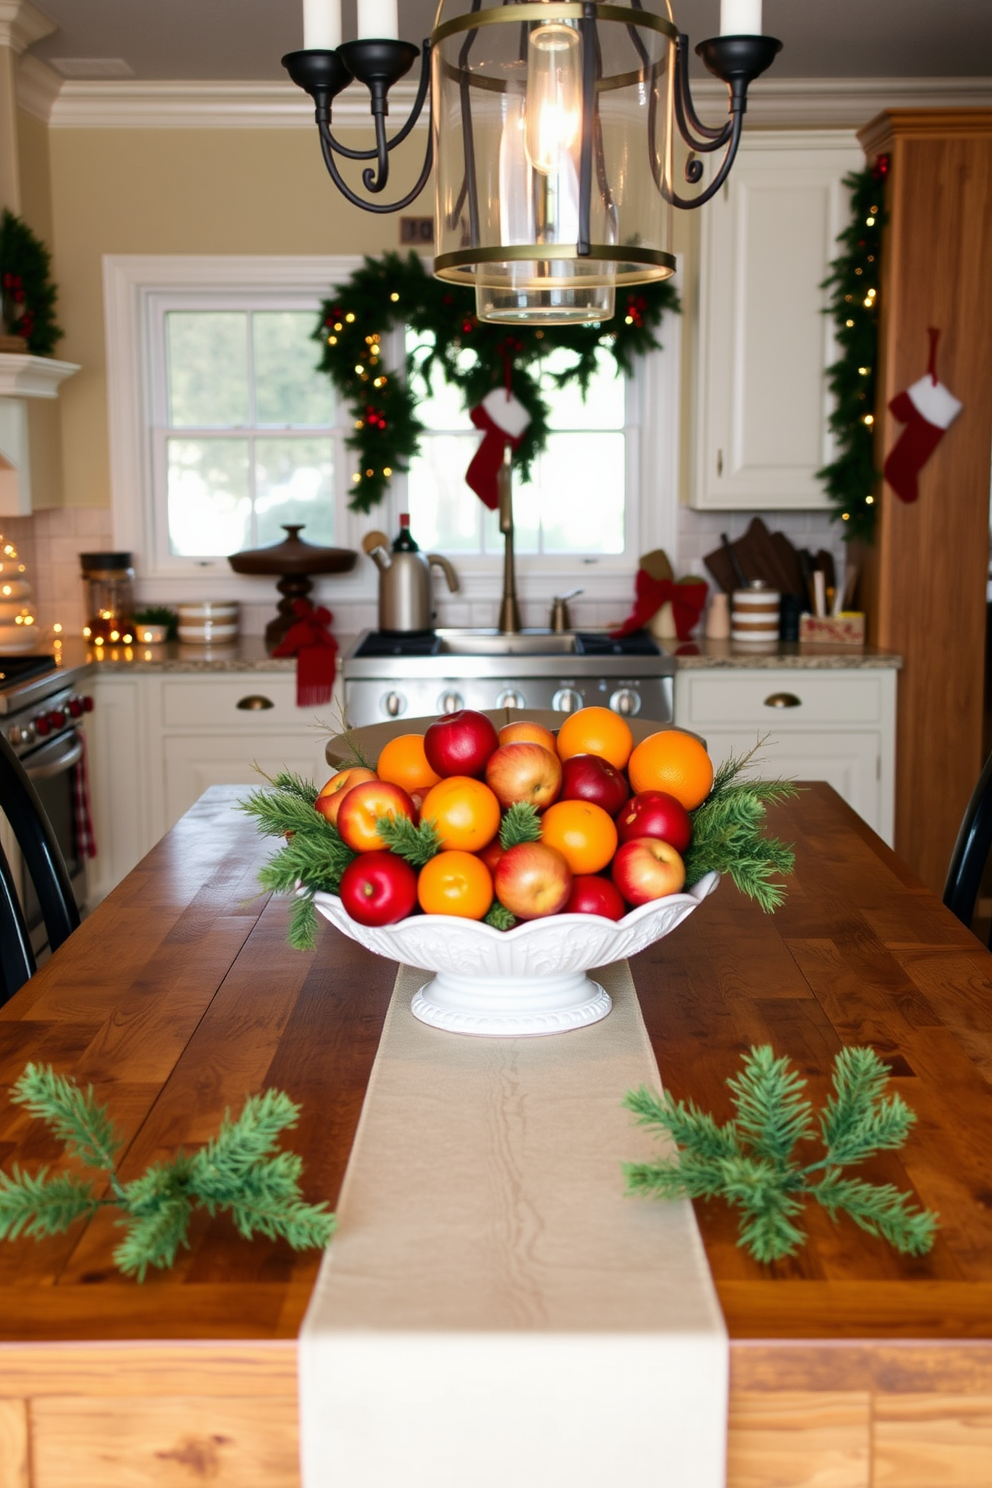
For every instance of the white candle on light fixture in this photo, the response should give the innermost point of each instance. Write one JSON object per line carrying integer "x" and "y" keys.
{"x": 321, "y": 25}
{"x": 378, "y": 20}
{"x": 740, "y": 17}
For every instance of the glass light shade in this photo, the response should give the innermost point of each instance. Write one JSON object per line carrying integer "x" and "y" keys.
{"x": 514, "y": 133}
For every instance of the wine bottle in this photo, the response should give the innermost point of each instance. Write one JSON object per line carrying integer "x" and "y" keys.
{"x": 404, "y": 542}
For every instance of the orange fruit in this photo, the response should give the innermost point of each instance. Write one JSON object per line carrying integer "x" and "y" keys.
{"x": 525, "y": 732}
{"x": 596, "y": 731}
{"x": 465, "y": 812}
{"x": 582, "y": 832}
{"x": 403, "y": 762}
{"x": 675, "y": 762}
{"x": 455, "y": 883}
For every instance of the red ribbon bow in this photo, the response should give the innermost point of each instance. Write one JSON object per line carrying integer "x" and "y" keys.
{"x": 687, "y": 597}
{"x": 316, "y": 651}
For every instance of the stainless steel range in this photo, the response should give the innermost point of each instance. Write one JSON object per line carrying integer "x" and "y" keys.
{"x": 41, "y": 715}
{"x": 441, "y": 671}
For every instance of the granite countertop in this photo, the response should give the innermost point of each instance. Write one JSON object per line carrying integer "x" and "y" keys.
{"x": 787, "y": 655}
{"x": 248, "y": 654}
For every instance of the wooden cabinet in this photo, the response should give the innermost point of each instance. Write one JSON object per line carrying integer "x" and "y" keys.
{"x": 157, "y": 741}
{"x": 837, "y": 726}
{"x": 764, "y": 342}
{"x": 928, "y": 567}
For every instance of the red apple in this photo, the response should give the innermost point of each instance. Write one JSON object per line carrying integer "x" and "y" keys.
{"x": 525, "y": 732}
{"x": 524, "y": 772}
{"x": 491, "y": 854}
{"x": 656, "y": 814}
{"x": 647, "y": 868}
{"x": 460, "y": 743}
{"x": 532, "y": 880}
{"x": 378, "y": 888}
{"x": 328, "y": 802}
{"x": 589, "y": 777}
{"x": 361, "y": 809}
{"x": 596, "y": 896}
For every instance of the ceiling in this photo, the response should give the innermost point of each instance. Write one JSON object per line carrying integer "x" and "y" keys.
{"x": 244, "y": 39}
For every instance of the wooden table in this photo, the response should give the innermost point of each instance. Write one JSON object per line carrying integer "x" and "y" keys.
{"x": 850, "y": 1365}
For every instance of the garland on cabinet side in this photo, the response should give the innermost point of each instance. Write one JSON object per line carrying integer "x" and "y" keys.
{"x": 472, "y": 355}
{"x": 851, "y": 479}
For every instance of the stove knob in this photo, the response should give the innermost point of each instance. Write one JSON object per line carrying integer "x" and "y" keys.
{"x": 511, "y": 698}
{"x": 566, "y": 700}
{"x": 15, "y": 736}
{"x": 626, "y": 700}
{"x": 57, "y": 718}
{"x": 450, "y": 702}
{"x": 42, "y": 726}
{"x": 75, "y": 707}
{"x": 28, "y": 734}
{"x": 87, "y": 705}
{"x": 394, "y": 703}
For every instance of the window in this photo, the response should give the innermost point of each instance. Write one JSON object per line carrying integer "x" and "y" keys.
{"x": 561, "y": 510}
{"x": 247, "y": 439}
{"x": 221, "y": 432}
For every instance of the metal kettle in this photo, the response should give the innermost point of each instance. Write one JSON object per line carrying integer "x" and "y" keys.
{"x": 406, "y": 592}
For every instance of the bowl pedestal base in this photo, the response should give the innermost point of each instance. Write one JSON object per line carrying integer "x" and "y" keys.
{"x": 511, "y": 1007}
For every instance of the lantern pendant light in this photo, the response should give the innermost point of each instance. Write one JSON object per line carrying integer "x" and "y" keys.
{"x": 551, "y": 134}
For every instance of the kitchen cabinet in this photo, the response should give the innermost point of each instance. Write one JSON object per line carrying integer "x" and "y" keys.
{"x": 837, "y": 726}
{"x": 926, "y": 573}
{"x": 763, "y": 341}
{"x": 157, "y": 741}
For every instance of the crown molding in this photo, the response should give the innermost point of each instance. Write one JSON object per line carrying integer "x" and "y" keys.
{"x": 21, "y": 25}
{"x": 38, "y": 86}
{"x": 776, "y": 103}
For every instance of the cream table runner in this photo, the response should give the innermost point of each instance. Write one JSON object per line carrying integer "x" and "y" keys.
{"x": 493, "y": 1309}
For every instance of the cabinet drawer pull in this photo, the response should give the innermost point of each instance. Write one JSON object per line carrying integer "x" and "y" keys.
{"x": 783, "y": 700}
{"x": 255, "y": 703}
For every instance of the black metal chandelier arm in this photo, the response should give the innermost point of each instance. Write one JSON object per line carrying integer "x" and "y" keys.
{"x": 736, "y": 124}
{"x": 689, "y": 123}
{"x": 357, "y": 201}
{"x": 423, "y": 92}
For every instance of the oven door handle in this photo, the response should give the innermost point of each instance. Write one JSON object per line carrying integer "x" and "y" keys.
{"x": 54, "y": 758}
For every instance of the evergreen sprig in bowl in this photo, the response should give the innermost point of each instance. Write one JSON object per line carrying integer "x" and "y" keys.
{"x": 527, "y": 981}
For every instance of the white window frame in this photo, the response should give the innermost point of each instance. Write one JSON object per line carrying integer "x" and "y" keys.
{"x": 134, "y": 286}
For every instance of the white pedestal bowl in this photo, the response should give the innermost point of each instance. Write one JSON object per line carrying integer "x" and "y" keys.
{"x": 523, "y": 982}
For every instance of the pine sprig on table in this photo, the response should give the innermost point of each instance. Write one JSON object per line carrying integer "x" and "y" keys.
{"x": 241, "y": 1171}
{"x": 521, "y": 823}
{"x": 728, "y": 837}
{"x": 416, "y": 844}
{"x": 750, "y": 1162}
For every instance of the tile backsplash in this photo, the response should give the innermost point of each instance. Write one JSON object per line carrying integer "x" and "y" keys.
{"x": 49, "y": 544}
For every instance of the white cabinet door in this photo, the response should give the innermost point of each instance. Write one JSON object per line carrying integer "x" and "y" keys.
{"x": 850, "y": 762}
{"x": 764, "y": 342}
{"x": 194, "y": 762}
{"x": 122, "y": 779}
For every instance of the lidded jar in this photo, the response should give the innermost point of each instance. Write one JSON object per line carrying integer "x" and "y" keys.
{"x": 109, "y": 579}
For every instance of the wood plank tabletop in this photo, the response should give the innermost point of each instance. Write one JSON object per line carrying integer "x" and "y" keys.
{"x": 178, "y": 997}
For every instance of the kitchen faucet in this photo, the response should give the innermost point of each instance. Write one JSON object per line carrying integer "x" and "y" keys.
{"x": 509, "y": 610}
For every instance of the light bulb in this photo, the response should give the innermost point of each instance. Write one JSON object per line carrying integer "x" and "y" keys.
{"x": 554, "y": 95}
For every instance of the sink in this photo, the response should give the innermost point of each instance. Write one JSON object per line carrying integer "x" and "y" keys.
{"x": 493, "y": 643}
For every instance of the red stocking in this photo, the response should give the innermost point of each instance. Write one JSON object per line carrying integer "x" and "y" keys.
{"x": 927, "y": 409}
{"x": 502, "y": 419}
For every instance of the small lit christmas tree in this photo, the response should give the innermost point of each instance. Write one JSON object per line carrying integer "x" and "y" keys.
{"x": 18, "y": 631}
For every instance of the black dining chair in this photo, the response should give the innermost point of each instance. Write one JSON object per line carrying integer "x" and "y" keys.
{"x": 46, "y": 868}
{"x": 971, "y": 851}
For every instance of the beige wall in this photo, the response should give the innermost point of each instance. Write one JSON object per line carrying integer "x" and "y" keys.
{"x": 180, "y": 191}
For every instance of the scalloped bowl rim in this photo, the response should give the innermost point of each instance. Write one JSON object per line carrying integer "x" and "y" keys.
{"x": 528, "y": 929}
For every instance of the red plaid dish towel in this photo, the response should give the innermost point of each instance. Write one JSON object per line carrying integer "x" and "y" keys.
{"x": 82, "y": 815}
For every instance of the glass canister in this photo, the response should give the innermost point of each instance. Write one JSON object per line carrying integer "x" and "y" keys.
{"x": 109, "y": 579}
